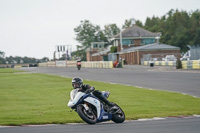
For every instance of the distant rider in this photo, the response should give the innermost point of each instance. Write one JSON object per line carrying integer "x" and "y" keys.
{"x": 78, "y": 62}
{"x": 77, "y": 83}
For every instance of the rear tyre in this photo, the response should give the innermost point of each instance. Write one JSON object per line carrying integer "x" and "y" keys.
{"x": 119, "y": 116}
{"x": 87, "y": 116}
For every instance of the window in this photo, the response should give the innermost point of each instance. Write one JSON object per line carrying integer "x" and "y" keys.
{"x": 95, "y": 46}
{"x": 148, "y": 41}
{"x": 127, "y": 41}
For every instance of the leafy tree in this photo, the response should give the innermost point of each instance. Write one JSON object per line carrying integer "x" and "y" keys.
{"x": 113, "y": 49}
{"x": 179, "y": 28}
{"x": 128, "y": 23}
{"x": 139, "y": 23}
{"x": 2, "y": 54}
{"x": 195, "y": 28}
{"x": 86, "y": 33}
{"x": 2, "y": 57}
{"x": 152, "y": 24}
{"x": 79, "y": 54}
{"x": 44, "y": 59}
{"x": 111, "y": 30}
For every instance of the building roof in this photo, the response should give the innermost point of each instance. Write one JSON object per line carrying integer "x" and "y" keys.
{"x": 149, "y": 47}
{"x": 103, "y": 52}
{"x": 136, "y": 31}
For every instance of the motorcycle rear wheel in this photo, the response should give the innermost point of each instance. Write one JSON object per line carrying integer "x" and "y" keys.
{"x": 119, "y": 116}
{"x": 88, "y": 117}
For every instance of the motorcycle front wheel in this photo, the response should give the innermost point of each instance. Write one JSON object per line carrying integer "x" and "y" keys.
{"x": 87, "y": 116}
{"x": 118, "y": 116}
{"x": 79, "y": 67}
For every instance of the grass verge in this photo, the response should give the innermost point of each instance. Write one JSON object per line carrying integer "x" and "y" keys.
{"x": 42, "y": 99}
{"x": 8, "y": 70}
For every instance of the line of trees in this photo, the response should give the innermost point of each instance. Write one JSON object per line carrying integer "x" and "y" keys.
{"x": 19, "y": 60}
{"x": 178, "y": 28}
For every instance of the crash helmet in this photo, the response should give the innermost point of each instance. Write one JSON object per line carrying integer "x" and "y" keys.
{"x": 77, "y": 82}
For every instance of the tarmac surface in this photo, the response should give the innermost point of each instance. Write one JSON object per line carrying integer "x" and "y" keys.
{"x": 159, "y": 78}
{"x": 171, "y": 125}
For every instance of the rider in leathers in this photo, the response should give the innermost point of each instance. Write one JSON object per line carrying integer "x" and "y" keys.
{"x": 77, "y": 83}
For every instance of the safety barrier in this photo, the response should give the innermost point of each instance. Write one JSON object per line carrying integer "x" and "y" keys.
{"x": 14, "y": 65}
{"x": 90, "y": 64}
{"x": 42, "y": 64}
{"x": 71, "y": 63}
{"x": 97, "y": 64}
{"x": 51, "y": 64}
{"x": 191, "y": 64}
{"x": 159, "y": 63}
{"x": 61, "y": 64}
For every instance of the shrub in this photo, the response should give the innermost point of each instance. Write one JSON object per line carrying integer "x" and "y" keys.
{"x": 178, "y": 64}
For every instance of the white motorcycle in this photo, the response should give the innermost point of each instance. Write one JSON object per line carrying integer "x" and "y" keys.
{"x": 92, "y": 110}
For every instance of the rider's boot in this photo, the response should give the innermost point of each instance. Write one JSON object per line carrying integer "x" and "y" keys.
{"x": 112, "y": 107}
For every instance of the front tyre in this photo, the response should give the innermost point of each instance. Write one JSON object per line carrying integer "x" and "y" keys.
{"x": 86, "y": 115}
{"x": 79, "y": 67}
{"x": 118, "y": 116}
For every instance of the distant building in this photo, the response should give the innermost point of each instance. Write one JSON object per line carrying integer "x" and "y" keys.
{"x": 136, "y": 42}
{"x": 135, "y": 55}
{"x": 134, "y": 36}
{"x": 95, "y": 48}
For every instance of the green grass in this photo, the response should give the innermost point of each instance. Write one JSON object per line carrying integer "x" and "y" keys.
{"x": 8, "y": 70}
{"x": 42, "y": 99}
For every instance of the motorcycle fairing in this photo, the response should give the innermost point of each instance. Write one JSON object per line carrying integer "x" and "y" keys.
{"x": 74, "y": 101}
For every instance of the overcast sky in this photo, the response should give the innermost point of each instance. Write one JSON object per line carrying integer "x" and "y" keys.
{"x": 34, "y": 27}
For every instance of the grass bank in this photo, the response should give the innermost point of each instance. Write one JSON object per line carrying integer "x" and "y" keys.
{"x": 27, "y": 98}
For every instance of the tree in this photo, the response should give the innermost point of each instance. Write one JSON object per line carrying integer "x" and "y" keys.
{"x": 113, "y": 49}
{"x": 2, "y": 57}
{"x": 139, "y": 23}
{"x": 110, "y": 30}
{"x": 44, "y": 59}
{"x": 152, "y": 24}
{"x": 128, "y": 23}
{"x": 195, "y": 28}
{"x": 179, "y": 28}
{"x": 86, "y": 33}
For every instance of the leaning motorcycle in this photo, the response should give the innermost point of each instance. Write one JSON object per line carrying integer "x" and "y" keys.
{"x": 92, "y": 110}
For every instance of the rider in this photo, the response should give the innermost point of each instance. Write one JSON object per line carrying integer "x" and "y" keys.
{"x": 77, "y": 83}
{"x": 78, "y": 62}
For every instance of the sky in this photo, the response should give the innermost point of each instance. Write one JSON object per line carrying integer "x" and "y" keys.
{"x": 33, "y": 28}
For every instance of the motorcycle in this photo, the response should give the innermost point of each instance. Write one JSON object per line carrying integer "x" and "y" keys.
{"x": 78, "y": 65}
{"x": 92, "y": 110}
